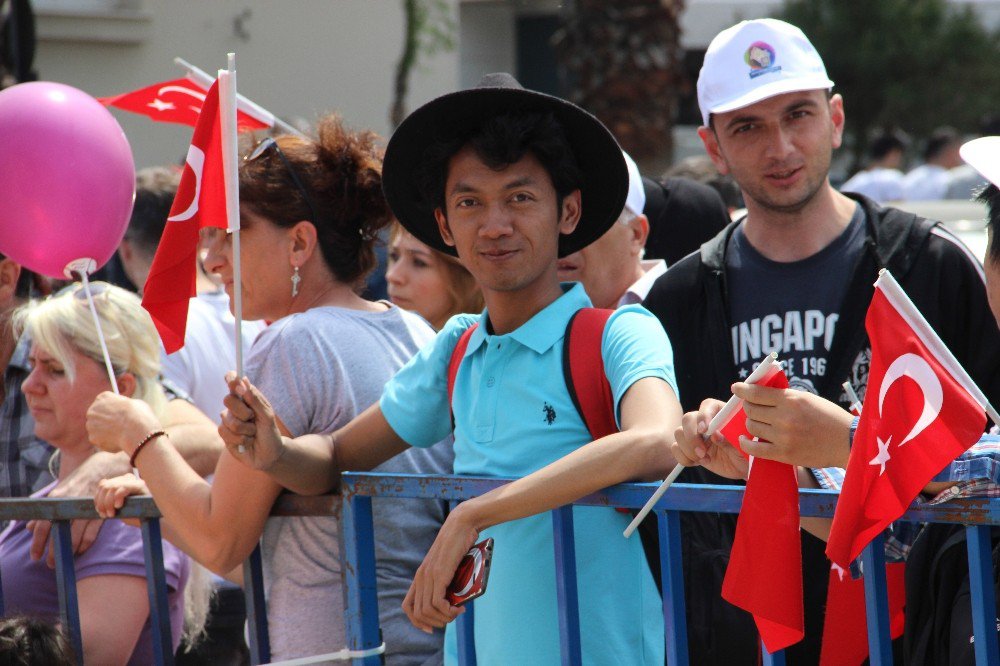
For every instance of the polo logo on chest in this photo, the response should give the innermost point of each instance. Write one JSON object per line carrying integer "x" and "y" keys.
{"x": 550, "y": 413}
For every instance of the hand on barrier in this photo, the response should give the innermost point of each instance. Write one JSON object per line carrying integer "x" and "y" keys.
{"x": 111, "y": 494}
{"x": 83, "y": 534}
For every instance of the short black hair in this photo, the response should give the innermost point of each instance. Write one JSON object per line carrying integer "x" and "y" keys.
{"x": 885, "y": 141}
{"x": 499, "y": 142}
{"x": 30, "y": 641}
{"x": 155, "y": 190}
{"x": 991, "y": 197}
{"x": 941, "y": 140}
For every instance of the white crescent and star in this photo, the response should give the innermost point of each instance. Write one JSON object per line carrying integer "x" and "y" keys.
{"x": 160, "y": 105}
{"x": 883, "y": 454}
{"x": 196, "y": 162}
{"x": 477, "y": 564}
{"x": 181, "y": 90}
{"x": 917, "y": 369}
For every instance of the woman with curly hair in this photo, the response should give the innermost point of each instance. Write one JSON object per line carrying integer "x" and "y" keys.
{"x": 310, "y": 212}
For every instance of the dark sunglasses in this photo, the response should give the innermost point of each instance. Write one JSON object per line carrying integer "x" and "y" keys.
{"x": 266, "y": 145}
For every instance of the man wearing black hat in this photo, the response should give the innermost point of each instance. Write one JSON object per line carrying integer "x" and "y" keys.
{"x": 509, "y": 180}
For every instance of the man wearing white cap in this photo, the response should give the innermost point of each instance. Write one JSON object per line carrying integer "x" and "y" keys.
{"x": 611, "y": 268}
{"x": 793, "y": 276}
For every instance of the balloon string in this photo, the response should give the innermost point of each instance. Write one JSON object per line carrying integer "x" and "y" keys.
{"x": 100, "y": 334}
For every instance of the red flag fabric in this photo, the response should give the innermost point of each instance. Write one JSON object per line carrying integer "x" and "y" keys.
{"x": 200, "y": 202}
{"x": 845, "y": 632}
{"x": 917, "y": 417}
{"x": 178, "y": 101}
{"x": 764, "y": 576}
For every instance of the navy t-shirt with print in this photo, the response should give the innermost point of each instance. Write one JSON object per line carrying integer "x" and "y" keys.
{"x": 791, "y": 308}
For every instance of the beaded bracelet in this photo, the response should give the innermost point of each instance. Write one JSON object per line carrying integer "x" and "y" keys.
{"x": 145, "y": 440}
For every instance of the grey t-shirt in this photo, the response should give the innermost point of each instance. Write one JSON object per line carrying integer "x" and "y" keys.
{"x": 319, "y": 369}
{"x": 789, "y": 307}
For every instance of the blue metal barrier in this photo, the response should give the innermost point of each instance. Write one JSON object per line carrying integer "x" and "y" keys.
{"x": 358, "y": 490}
{"x": 358, "y": 551}
{"x": 60, "y": 512}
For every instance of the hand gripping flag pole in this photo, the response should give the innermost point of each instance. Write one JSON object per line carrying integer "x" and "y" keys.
{"x": 727, "y": 412}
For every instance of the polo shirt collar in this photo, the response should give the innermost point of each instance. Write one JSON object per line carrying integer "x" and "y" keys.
{"x": 547, "y": 326}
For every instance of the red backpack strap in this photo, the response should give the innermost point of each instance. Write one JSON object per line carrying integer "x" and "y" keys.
{"x": 457, "y": 354}
{"x": 583, "y": 369}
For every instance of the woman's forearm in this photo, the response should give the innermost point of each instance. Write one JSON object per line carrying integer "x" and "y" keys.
{"x": 219, "y": 524}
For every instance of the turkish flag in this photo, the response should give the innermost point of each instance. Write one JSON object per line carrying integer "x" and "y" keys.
{"x": 764, "y": 576}
{"x": 845, "y": 632}
{"x": 200, "y": 202}
{"x": 919, "y": 414}
{"x": 178, "y": 101}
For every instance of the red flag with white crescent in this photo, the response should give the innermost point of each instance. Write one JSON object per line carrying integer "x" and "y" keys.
{"x": 178, "y": 101}
{"x": 200, "y": 202}
{"x": 919, "y": 414}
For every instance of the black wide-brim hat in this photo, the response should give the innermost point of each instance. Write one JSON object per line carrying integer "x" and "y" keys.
{"x": 605, "y": 176}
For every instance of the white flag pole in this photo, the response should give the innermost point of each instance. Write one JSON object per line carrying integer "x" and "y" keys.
{"x": 931, "y": 340}
{"x": 245, "y": 105}
{"x": 230, "y": 165}
{"x": 762, "y": 370}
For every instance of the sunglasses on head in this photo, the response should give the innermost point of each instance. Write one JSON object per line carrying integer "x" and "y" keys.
{"x": 270, "y": 144}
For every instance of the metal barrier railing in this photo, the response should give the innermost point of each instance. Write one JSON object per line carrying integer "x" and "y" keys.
{"x": 362, "y": 604}
{"x": 358, "y": 553}
{"x": 62, "y": 511}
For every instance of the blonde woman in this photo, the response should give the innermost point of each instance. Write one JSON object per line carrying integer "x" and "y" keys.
{"x": 67, "y": 374}
{"x": 431, "y": 283}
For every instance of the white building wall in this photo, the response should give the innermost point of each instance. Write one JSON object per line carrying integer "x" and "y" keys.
{"x": 298, "y": 58}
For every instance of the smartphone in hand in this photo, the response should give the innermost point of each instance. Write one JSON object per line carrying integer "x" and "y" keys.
{"x": 473, "y": 572}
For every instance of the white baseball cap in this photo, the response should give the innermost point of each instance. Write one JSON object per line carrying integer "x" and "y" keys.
{"x": 636, "y": 199}
{"x": 754, "y": 60}
{"x": 982, "y": 154}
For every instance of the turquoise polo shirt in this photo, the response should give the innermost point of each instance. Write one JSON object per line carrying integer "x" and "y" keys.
{"x": 513, "y": 416}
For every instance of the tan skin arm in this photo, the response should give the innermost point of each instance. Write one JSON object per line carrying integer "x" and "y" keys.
{"x": 113, "y": 610}
{"x": 310, "y": 464}
{"x": 194, "y": 436}
{"x": 640, "y": 452}
{"x": 218, "y": 524}
{"x": 649, "y": 413}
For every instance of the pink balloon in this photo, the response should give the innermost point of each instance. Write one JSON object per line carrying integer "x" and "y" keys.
{"x": 67, "y": 175}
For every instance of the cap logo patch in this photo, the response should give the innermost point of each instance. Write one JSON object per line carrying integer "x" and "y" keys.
{"x": 760, "y": 57}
